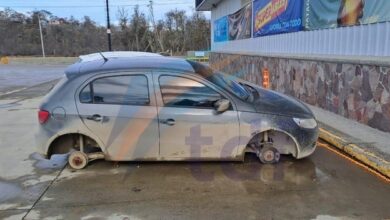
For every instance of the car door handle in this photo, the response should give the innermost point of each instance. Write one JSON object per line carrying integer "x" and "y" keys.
{"x": 95, "y": 117}
{"x": 169, "y": 122}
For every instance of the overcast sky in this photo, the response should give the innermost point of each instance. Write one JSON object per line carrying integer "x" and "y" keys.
{"x": 96, "y": 8}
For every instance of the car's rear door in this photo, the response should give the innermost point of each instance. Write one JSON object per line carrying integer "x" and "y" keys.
{"x": 189, "y": 126}
{"x": 120, "y": 109}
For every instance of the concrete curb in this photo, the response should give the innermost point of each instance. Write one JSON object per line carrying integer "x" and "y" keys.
{"x": 358, "y": 152}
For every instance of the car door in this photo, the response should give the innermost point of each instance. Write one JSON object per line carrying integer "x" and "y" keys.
{"x": 120, "y": 109}
{"x": 189, "y": 126}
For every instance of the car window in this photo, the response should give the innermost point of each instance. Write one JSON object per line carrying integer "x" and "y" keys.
{"x": 125, "y": 90}
{"x": 184, "y": 92}
{"x": 229, "y": 83}
{"x": 85, "y": 95}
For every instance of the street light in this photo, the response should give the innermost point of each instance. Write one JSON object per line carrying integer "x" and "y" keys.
{"x": 40, "y": 32}
{"x": 108, "y": 27}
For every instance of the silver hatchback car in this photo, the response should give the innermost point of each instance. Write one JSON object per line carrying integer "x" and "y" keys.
{"x": 145, "y": 107}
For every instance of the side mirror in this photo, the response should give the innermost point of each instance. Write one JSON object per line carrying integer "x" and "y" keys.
{"x": 222, "y": 105}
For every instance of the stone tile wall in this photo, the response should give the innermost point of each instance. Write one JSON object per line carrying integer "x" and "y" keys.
{"x": 355, "y": 91}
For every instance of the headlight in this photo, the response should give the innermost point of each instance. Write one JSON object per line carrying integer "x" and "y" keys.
{"x": 308, "y": 123}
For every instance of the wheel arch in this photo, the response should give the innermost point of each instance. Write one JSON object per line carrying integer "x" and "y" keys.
{"x": 258, "y": 134}
{"x": 53, "y": 142}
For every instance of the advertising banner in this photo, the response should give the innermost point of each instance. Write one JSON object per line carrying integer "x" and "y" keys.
{"x": 240, "y": 23}
{"x": 276, "y": 16}
{"x": 338, "y": 13}
{"x": 221, "y": 29}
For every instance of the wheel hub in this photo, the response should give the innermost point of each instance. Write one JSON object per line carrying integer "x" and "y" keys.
{"x": 77, "y": 161}
{"x": 269, "y": 155}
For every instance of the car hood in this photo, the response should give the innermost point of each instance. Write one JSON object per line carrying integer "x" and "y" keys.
{"x": 272, "y": 102}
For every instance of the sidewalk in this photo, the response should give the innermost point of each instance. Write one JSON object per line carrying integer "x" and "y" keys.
{"x": 366, "y": 144}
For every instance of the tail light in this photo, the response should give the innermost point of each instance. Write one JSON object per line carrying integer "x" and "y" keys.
{"x": 43, "y": 116}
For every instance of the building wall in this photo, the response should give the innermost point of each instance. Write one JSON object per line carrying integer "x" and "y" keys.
{"x": 223, "y": 8}
{"x": 343, "y": 70}
{"x": 356, "y": 91}
{"x": 364, "y": 40}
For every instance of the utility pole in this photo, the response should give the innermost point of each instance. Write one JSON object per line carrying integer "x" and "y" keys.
{"x": 108, "y": 27}
{"x": 40, "y": 30}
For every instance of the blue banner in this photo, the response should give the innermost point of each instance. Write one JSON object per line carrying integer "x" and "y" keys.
{"x": 276, "y": 16}
{"x": 221, "y": 29}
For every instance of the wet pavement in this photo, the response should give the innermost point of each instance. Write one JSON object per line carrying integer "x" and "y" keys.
{"x": 14, "y": 77}
{"x": 323, "y": 186}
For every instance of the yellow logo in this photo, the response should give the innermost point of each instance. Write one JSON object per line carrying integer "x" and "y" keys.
{"x": 273, "y": 9}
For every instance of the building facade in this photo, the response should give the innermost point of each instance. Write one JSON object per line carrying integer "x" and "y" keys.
{"x": 332, "y": 54}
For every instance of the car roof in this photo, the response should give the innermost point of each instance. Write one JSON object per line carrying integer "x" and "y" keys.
{"x": 129, "y": 63}
{"x": 115, "y": 54}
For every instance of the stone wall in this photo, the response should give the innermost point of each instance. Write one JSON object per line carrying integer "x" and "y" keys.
{"x": 354, "y": 90}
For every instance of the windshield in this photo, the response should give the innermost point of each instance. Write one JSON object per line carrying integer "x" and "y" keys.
{"x": 229, "y": 83}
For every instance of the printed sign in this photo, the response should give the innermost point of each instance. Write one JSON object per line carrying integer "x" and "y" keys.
{"x": 338, "y": 13}
{"x": 199, "y": 53}
{"x": 240, "y": 23}
{"x": 221, "y": 29}
{"x": 276, "y": 16}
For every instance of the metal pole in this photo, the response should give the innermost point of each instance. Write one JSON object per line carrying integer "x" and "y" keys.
{"x": 40, "y": 30}
{"x": 108, "y": 27}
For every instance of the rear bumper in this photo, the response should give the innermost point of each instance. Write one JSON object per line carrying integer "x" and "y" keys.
{"x": 42, "y": 138}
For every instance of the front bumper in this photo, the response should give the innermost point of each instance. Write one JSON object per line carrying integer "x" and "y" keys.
{"x": 305, "y": 139}
{"x": 305, "y": 152}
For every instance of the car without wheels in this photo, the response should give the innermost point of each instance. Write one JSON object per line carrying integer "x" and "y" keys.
{"x": 133, "y": 106}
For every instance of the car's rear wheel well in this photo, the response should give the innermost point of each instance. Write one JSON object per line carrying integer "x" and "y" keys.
{"x": 280, "y": 140}
{"x": 66, "y": 143}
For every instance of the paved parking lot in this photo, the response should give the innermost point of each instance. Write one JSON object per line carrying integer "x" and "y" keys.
{"x": 324, "y": 186}
{"x": 16, "y": 76}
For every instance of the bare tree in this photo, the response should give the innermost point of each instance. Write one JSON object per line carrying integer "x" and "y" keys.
{"x": 71, "y": 37}
{"x": 156, "y": 28}
{"x": 123, "y": 25}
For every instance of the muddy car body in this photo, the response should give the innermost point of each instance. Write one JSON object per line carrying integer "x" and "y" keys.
{"x": 167, "y": 109}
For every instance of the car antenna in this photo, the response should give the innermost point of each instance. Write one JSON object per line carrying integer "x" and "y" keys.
{"x": 105, "y": 58}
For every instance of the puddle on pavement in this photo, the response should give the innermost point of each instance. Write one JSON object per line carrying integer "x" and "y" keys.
{"x": 19, "y": 109}
{"x": 9, "y": 105}
{"x": 328, "y": 217}
{"x": 8, "y": 191}
{"x": 17, "y": 193}
{"x": 57, "y": 161}
{"x": 286, "y": 172}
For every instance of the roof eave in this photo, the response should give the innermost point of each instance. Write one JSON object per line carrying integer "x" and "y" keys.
{"x": 200, "y": 6}
{"x": 207, "y": 5}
